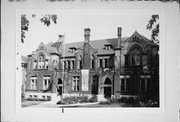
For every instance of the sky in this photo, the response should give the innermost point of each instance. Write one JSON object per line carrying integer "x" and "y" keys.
{"x": 71, "y": 23}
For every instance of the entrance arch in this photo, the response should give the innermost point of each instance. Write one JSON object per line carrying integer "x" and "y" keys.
{"x": 107, "y": 86}
{"x": 59, "y": 86}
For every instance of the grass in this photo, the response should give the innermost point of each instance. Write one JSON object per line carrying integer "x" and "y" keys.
{"x": 30, "y": 103}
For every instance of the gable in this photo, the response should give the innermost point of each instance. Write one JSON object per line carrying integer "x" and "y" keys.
{"x": 138, "y": 38}
{"x": 41, "y": 47}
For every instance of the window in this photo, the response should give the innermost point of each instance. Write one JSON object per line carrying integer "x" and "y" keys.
{"x": 69, "y": 64}
{"x": 73, "y": 64}
{"x": 107, "y": 47}
{"x": 135, "y": 57}
{"x": 122, "y": 84}
{"x": 100, "y": 63}
{"x": 126, "y": 60}
{"x": 41, "y": 61}
{"x": 46, "y": 64}
{"x": 145, "y": 83}
{"x": 46, "y": 82}
{"x": 33, "y": 85}
{"x": 80, "y": 64}
{"x": 128, "y": 85}
{"x": 106, "y": 62}
{"x": 92, "y": 64}
{"x": 75, "y": 83}
{"x": 144, "y": 60}
{"x": 64, "y": 64}
{"x": 125, "y": 83}
{"x": 72, "y": 49}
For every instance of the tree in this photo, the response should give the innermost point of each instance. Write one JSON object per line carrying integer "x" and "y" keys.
{"x": 153, "y": 26}
{"x": 45, "y": 19}
{"x": 24, "y": 26}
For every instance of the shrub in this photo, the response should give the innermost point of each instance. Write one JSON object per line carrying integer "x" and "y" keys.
{"x": 105, "y": 102}
{"x": 130, "y": 100}
{"x": 114, "y": 100}
{"x": 83, "y": 99}
{"x": 75, "y": 99}
{"x": 36, "y": 99}
{"x": 123, "y": 100}
{"x": 148, "y": 103}
{"x": 92, "y": 99}
{"x": 60, "y": 102}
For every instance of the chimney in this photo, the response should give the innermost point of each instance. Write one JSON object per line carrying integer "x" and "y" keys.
{"x": 119, "y": 32}
{"x": 87, "y": 35}
{"x": 60, "y": 36}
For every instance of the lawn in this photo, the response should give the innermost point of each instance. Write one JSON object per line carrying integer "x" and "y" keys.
{"x": 30, "y": 103}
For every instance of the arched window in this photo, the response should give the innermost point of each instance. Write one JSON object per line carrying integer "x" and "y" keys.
{"x": 41, "y": 61}
{"x": 134, "y": 56}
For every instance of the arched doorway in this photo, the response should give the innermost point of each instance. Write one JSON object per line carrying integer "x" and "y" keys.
{"x": 107, "y": 88}
{"x": 59, "y": 86}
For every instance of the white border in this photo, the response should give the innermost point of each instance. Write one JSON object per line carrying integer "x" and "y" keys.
{"x": 170, "y": 78}
{"x": 99, "y": 110}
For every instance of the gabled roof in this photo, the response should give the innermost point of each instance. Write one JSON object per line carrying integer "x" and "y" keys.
{"x": 41, "y": 47}
{"x": 96, "y": 44}
{"x": 136, "y": 34}
{"x": 51, "y": 49}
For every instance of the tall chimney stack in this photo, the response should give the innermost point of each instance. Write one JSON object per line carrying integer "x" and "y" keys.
{"x": 87, "y": 35}
{"x": 119, "y": 33}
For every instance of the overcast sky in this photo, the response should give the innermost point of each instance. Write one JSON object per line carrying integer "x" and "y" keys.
{"x": 103, "y": 25}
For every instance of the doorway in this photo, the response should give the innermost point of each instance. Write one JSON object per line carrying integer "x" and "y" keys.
{"x": 107, "y": 88}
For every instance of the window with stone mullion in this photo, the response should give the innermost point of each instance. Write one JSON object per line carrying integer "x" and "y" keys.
{"x": 75, "y": 84}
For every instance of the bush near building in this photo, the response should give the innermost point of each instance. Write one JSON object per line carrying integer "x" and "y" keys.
{"x": 77, "y": 99}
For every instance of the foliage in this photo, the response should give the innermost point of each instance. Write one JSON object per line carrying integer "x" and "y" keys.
{"x": 73, "y": 100}
{"x": 46, "y": 20}
{"x": 139, "y": 101}
{"x": 105, "y": 102}
{"x": 24, "y": 26}
{"x": 153, "y": 25}
{"x": 77, "y": 99}
{"x": 36, "y": 99}
{"x": 93, "y": 99}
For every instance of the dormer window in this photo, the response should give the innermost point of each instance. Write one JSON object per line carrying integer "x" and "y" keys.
{"x": 107, "y": 46}
{"x": 72, "y": 49}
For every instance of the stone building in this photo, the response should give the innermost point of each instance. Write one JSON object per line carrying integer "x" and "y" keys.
{"x": 124, "y": 66}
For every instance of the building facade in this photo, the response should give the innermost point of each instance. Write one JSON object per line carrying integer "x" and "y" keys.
{"x": 123, "y": 66}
